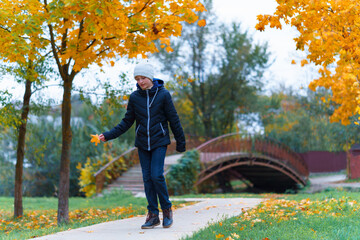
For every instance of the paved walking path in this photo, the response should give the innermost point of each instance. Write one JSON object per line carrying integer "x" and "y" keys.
{"x": 187, "y": 220}
{"x": 318, "y": 184}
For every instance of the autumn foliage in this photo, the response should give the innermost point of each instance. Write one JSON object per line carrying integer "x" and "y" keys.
{"x": 78, "y": 33}
{"x": 93, "y": 29}
{"x": 329, "y": 33}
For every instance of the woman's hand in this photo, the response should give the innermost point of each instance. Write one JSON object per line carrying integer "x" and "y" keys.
{"x": 102, "y": 137}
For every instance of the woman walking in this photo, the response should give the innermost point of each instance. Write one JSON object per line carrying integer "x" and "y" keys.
{"x": 151, "y": 107}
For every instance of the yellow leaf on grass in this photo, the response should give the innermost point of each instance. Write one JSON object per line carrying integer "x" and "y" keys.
{"x": 95, "y": 139}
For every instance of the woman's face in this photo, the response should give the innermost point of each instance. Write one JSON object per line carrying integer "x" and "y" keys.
{"x": 144, "y": 82}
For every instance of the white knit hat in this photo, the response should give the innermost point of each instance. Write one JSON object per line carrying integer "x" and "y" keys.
{"x": 144, "y": 69}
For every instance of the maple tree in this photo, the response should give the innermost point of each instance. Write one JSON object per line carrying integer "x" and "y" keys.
{"x": 329, "y": 33}
{"x": 29, "y": 71}
{"x": 30, "y": 74}
{"x": 80, "y": 33}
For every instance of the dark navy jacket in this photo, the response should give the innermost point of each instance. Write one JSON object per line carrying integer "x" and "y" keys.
{"x": 152, "y": 110}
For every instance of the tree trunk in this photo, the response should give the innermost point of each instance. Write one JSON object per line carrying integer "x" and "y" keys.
{"x": 18, "y": 206}
{"x": 208, "y": 125}
{"x": 64, "y": 184}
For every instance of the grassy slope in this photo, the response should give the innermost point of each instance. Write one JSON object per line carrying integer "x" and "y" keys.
{"x": 40, "y": 213}
{"x": 327, "y": 215}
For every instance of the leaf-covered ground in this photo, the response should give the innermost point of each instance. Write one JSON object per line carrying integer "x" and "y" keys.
{"x": 329, "y": 215}
{"x": 40, "y": 214}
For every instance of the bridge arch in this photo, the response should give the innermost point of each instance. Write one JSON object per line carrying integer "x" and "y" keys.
{"x": 267, "y": 164}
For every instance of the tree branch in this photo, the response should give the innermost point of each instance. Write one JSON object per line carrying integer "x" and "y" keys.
{"x": 81, "y": 30}
{"x": 102, "y": 51}
{"x": 8, "y": 30}
{"x": 43, "y": 87}
{"x": 92, "y": 43}
{"x": 53, "y": 46}
{"x": 63, "y": 39}
{"x": 142, "y": 9}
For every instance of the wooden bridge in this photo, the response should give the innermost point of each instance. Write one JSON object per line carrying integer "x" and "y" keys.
{"x": 263, "y": 163}
{"x": 266, "y": 164}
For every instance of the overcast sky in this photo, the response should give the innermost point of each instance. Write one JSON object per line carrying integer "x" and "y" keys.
{"x": 281, "y": 43}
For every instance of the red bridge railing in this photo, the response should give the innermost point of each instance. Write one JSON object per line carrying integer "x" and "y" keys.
{"x": 131, "y": 157}
{"x": 223, "y": 147}
{"x": 233, "y": 145}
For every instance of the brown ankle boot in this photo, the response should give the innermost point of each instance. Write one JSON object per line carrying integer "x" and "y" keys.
{"x": 152, "y": 220}
{"x": 167, "y": 218}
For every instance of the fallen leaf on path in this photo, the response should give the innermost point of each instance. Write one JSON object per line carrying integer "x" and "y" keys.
{"x": 207, "y": 208}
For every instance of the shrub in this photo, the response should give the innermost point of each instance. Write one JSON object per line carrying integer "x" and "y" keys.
{"x": 183, "y": 175}
{"x": 87, "y": 180}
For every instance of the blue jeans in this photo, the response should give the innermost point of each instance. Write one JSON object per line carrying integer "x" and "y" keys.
{"x": 152, "y": 166}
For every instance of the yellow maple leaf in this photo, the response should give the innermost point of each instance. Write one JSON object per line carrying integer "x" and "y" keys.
{"x": 304, "y": 62}
{"x": 202, "y": 23}
{"x": 169, "y": 49}
{"x": 95, "y": 139}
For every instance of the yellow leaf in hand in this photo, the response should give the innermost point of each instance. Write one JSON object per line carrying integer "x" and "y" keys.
{"x": 95, "y": 139}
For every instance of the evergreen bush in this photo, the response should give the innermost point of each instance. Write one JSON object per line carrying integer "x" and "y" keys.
{"x": 183, "y": 175}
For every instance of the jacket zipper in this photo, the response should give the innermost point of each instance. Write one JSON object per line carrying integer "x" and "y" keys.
{"x": 137, "y": 130}
{"x": 162, "y": 129}
{"x": 148, "y": 112}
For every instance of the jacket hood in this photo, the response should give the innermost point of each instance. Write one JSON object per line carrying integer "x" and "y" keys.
{"x": 157, "y": 84}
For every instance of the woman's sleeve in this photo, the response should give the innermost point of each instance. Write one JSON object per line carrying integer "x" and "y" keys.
{"x": 175, "y": 124}
{"x": 124, "y": 125}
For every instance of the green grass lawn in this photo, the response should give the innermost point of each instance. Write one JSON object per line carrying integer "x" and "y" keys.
{"x": 40, "y": 213}
{"x": 329, "y": 215}
{"x": 113, "y": 199}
